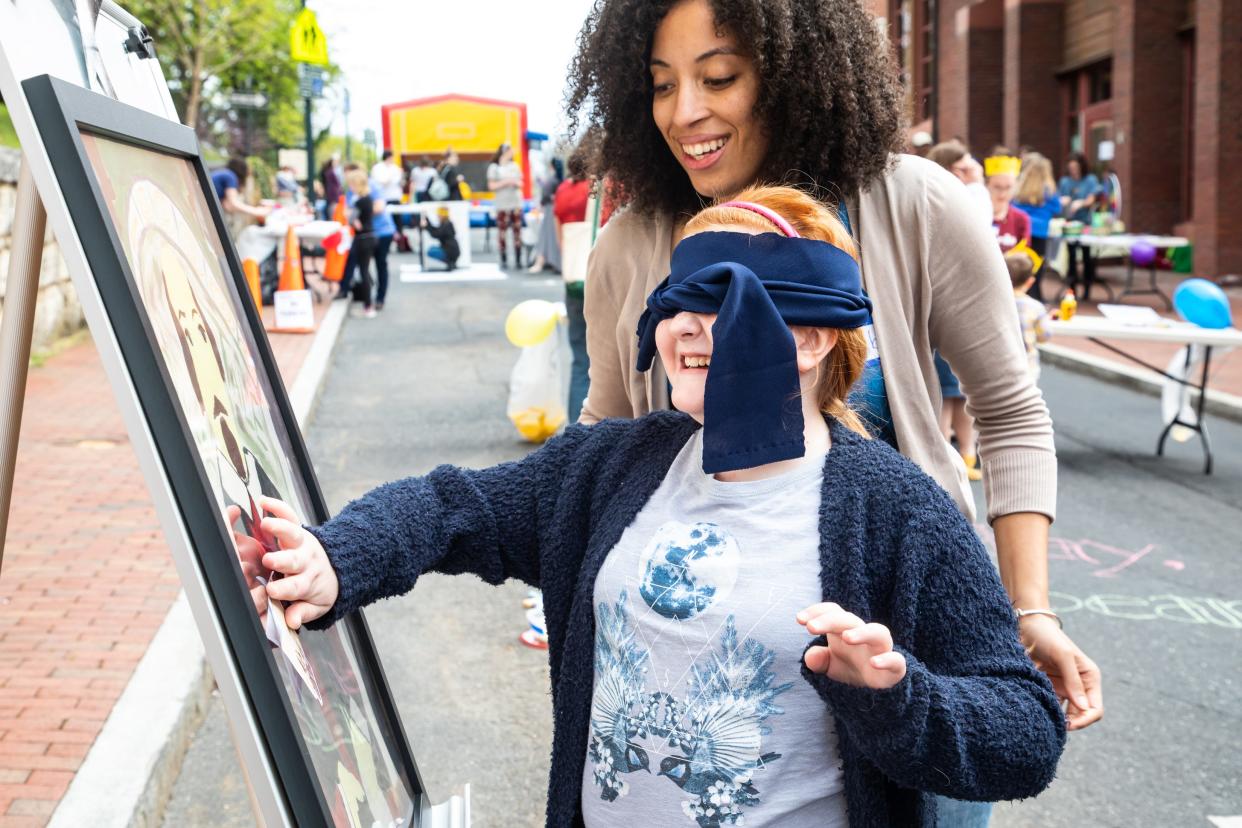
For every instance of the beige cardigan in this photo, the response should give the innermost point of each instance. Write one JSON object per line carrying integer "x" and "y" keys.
{"x": 937, "y": 281}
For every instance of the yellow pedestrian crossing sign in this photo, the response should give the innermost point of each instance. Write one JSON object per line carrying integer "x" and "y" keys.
{"x": 307, "y": 43}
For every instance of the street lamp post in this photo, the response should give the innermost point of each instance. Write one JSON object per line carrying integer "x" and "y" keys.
{"x": 310, "y": 139}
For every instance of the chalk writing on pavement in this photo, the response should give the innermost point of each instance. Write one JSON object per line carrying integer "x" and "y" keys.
{"x": 1175, "y": 609}
{"x": 1108, "y": 560}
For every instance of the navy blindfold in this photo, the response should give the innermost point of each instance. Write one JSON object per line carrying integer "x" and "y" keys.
{"x": 758, "y": 286}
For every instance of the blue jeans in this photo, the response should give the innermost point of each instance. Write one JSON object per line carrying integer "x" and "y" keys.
{"x": 953, "y": 813}
{"x": 579, "y": 380}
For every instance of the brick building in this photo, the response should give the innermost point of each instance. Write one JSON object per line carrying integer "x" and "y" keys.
{"x": 1161, "y": 80}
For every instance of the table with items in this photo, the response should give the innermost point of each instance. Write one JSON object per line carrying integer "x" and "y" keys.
{"x": 1092, "y": 244}
{"x": 1198, "y": 343}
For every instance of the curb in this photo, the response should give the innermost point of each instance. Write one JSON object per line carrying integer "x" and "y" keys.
{"x": 1219, "y": 403}
{"x": 129, "y": 772}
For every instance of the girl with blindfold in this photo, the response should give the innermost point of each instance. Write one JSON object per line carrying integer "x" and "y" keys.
{"x": 756, "y": 613}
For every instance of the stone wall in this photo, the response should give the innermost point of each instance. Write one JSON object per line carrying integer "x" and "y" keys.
{"x": 58, "y": 311}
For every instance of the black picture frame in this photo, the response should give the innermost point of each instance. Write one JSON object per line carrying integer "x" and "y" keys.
{"x": 63, "y": 112}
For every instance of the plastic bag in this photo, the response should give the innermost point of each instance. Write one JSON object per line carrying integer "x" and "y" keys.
{"x": 539, "y": 386}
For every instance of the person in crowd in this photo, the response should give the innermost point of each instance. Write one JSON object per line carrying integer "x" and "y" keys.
{"x": 330, "y": 179}
{"x": 547, "y": 251}
{"x": 1011, "y": 226}
{"x": 1023, "y": 263}
{"x": 449, "y": 173}
{"x": 921, "y": 143}
{"x": 386, "y": 177}
{"x": 1079, "y": 189}
{"x": 444, "y": 232}
{"x": 362, "y": 219}
{"x": 504, "y": 179}
{"x": 697, "y": 100}
{"x": 570, "y": 206}
{"x": 420, "y": 179}
{"x": 846, "y": 647}
{"x": 288, "y": 190}
{"x": 955, "y": 421}
{"x": 228, "y": 182}
{"x": 956, "y": 158}
{"x": 1037, "y": 197}
{"x": 385, "y": 228}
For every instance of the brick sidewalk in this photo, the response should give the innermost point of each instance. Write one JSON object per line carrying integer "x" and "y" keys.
{"x": 86, "y": 579}
{"x": 1226, "y": 371}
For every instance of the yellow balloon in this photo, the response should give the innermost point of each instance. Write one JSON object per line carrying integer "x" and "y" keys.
{"x": 536, "y": 425}
{"x": 531, "y": 322}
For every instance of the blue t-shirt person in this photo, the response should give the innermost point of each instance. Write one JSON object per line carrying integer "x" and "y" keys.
{"x": 382, "y": 223}
{"x": 224, "y": 180}
{"x": 1041, "y": 215}
{"x": 869, "y": 396}
{"x": 1079, "y": 189}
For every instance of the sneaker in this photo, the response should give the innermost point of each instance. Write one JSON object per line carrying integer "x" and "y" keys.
{"x": 379, "y": 306}
{"x": 369, "y": 313}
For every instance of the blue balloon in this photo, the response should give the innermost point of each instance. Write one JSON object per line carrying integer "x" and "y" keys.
{"x": 1203, "y": 303}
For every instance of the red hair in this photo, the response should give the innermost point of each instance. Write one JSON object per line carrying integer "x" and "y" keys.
{"x": 844, "y": 363}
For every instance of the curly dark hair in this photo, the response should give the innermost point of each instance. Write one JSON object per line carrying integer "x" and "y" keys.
{"x": 830, "y": 96}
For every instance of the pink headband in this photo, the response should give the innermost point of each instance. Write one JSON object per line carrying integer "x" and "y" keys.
{"x": 769, "y": 214}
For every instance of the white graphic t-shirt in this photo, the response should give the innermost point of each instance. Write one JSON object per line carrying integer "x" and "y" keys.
{"x": 700, "y": 715}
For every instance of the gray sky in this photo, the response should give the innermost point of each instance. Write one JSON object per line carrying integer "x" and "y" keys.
{"x": 395, "y": 50}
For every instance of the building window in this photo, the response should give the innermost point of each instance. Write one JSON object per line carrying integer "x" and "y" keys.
{"x": 923, "y": 89}
{"x": 914, "y": 36}
{"x": 1088, "y": 108}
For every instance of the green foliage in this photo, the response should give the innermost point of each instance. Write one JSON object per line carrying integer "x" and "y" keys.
{"x": 263, "y": 175}
{"x": 209, "y": 48}
{"x": 358, "y": 151}
{"x": 8, "y": 135}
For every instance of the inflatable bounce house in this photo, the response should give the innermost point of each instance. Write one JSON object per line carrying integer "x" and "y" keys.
{"x": 474, "y": 127}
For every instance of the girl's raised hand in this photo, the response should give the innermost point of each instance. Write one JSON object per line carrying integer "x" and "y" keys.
{"x": 309, "y": 587}
{"x": 858, "y": 653}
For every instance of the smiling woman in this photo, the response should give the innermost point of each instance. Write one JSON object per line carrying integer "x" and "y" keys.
{"x": 698, "y": 99}
{"x": 812, "y": 82}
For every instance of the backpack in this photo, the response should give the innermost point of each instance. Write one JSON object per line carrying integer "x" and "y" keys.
{"x": 438, "y": 189}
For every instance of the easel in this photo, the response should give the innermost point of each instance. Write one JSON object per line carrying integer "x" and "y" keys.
{"x": 29, "y": 231}
{"x": 16, "y": 330}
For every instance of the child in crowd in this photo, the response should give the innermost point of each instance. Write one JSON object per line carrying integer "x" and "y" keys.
{"x": 754, "y": 610}
{"x": 1023, "y": 262}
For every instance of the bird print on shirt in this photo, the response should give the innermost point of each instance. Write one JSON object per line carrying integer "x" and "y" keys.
{"x": 709, "y": 743}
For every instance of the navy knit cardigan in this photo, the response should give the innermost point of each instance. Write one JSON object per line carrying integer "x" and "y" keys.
{"x": 972, "y": 719}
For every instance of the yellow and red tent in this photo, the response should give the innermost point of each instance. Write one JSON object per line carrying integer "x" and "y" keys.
{"x": 474, "y": 127}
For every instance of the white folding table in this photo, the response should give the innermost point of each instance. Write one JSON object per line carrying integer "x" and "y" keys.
{"x": 1098, "y": 328}
{"x": 1128, "y": 241}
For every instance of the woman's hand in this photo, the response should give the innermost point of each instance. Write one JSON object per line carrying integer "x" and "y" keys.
{"x": 858, "y": 654}
{"x": 309, "y": 587}
{"x": 1074, "y": 676}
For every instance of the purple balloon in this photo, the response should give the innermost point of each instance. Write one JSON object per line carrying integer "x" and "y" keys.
{"x": 1143, "y": 254}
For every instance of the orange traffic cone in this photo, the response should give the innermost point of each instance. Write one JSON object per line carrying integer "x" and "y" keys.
{"x": 251, "y": 268}
{"x": 293, "y": 308}
{"x": 291, "y": 271}
{"x": 334, "y": 259}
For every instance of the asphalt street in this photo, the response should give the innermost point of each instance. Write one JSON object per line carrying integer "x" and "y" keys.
{"x": 1144, "y": 559}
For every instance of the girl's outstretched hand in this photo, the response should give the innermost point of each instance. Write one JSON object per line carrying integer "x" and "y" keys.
{"x": 858, "y": 654}
{"x": 309, "y": 587}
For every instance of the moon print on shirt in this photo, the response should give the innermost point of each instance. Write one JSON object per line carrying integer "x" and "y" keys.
{"x": 687, "y": 567}
{"x": 709, "y": 743}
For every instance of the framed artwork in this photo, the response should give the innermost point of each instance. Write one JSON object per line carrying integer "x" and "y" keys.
{"x": 224, "y": 434}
